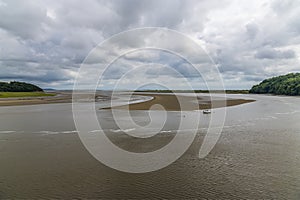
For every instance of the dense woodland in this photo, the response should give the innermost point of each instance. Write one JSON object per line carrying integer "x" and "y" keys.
{"x": 18, "y": 87}
{"x": 281, "y": 85}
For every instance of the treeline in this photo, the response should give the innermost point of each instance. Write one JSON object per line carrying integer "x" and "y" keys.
{"x": 282, "y": 85}
{"x": 15, "y": 86}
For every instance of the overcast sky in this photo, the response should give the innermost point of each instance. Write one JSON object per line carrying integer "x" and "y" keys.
{"x": 44, "y": 42}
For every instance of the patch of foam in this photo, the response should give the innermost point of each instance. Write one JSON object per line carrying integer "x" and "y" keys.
{"x": 69, "y": 132}
{"x": 169, "y": 131}
{"x": 56, "y": 132}
{"x": 48, "y": 132}
{"x": 95, "y": 131}
{"x": 287, "y": 113}
{"x": 122, "y": 130}
{"x": 6, "y": 132}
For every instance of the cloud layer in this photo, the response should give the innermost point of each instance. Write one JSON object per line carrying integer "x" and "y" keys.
{"x": 44, "y": 42}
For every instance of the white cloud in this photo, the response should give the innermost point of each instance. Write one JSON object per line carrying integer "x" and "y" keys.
{"x": 248, "y": 40}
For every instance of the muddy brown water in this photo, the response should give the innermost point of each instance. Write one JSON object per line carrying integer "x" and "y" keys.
{"x": 256, "y": 157}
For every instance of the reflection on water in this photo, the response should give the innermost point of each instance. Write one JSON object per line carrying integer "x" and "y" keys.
{"x": 257, "y": 156}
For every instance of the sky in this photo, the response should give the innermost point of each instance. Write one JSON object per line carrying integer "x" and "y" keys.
{"x": 45, "y": 42}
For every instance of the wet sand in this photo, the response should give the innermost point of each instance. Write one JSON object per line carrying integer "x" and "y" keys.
{"x": 60, "y": 97}
{"x": 171, "y": 102}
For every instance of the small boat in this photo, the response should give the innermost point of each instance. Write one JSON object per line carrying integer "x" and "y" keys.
{"x": 206, "y": 111}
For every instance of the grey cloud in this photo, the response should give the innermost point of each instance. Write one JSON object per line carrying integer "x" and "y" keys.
{"x": 252, "y": 30}
{"x": 268, "y": 53}
{"x": 181, "y": 70}
{"x": 284, "y": 7}
{"x": 45, "y": 78}
{"x": 22, "y": 18}
{"x": 52, "y": 38}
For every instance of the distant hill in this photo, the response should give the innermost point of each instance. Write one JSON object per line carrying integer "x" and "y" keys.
{"x": 281, "y": 85}
{"x": 49, "y": 89}
{"x": 15, "y": 86}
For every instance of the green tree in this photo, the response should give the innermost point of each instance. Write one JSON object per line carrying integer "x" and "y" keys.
{"x": 15, "y": 86}
{"x": 281, "y": 85}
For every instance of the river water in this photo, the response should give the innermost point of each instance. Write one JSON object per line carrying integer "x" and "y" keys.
{"x": 257, "y": 156}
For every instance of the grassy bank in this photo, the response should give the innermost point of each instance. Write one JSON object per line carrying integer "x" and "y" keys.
{"x": 24, "y": 94}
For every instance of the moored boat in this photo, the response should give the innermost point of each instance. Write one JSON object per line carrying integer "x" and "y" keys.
{"x": 206, "y": 111}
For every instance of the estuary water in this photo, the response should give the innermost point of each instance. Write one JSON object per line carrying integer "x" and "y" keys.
{"x": 256, "y": 157}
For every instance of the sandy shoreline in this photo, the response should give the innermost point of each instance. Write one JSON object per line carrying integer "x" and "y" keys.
{"x": 171, "y": 102}
{"x": 58, "y": 98}
{"x": 168, "y": 101}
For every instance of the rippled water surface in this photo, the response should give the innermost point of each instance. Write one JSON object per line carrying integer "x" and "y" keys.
{"x": 257, "y": 155}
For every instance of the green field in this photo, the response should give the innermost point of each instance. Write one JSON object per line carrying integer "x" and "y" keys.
{"x": 24, "y": 94}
